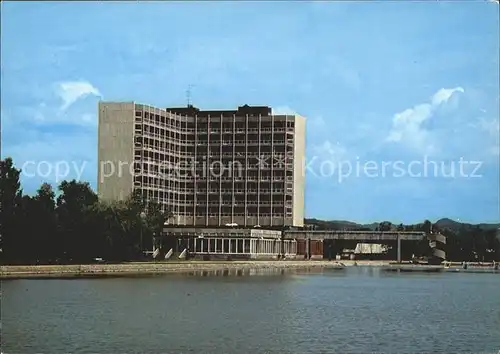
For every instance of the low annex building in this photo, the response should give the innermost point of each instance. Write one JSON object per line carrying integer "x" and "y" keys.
{"x": 224, "y": 243}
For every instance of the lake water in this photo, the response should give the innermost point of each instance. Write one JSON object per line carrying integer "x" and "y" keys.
{"x": 357, "y": 310}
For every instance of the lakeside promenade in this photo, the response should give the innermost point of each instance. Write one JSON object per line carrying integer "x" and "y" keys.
{"x": 145, "y": 268}
{"x": 152, "y": 268}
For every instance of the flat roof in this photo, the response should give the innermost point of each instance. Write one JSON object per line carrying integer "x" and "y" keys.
{"x": 241, "y": 110}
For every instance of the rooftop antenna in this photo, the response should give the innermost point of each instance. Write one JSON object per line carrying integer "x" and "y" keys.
{"x": 188, "y": 95}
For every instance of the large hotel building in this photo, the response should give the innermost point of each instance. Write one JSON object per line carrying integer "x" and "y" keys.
{"x": 209, "y": 168}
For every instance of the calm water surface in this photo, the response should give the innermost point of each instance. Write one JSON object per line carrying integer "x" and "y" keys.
{"x": 358, "y": 310}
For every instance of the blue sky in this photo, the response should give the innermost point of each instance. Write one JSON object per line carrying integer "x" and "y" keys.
{"x": 379, "y": 82}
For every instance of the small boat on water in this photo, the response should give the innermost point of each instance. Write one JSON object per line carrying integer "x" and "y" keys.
{"x": 467, "y": 267}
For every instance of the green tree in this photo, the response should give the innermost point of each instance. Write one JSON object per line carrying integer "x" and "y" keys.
{"x": 46, "y": 237}
{"x": 107, "y": 223}
{"x": 26, "y": 228}
{"x": 10, "y": 199}
{"x": 154, "y": 222}
{"x": 385, "y": 226}
{"x": 75, "y": 209}
{"x": 427, "y": 227}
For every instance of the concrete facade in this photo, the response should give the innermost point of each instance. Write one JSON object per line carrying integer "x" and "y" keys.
{"x": 210, "y": 168}
{"x": 115, "y": 151}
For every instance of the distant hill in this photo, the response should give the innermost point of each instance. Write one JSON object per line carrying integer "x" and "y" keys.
{"x": 442, "y": 224}
{"x": 456, "y": 225}
{"x": 333, "y": 224}
{"x": 446, "y": 223}
{"x": 339, "y": 224}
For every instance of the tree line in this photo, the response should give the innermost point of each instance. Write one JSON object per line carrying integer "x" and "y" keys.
{"x": 464, "y": 242}
{"x": 71, "y": 225}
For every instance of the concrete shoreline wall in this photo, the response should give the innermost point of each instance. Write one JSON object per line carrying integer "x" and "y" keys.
{"x": 149, "y": 268}
{"x": 187, "y": 267}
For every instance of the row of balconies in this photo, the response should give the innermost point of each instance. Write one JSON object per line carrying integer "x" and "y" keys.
{"x": 166, "y": 117}
{"x": 200, "y": 180}
{"x": 242, "y": 142}
{"x": 190, "y": 133}
{"x": 163, "y": 139}
{"x": 263, "y": 195}
{"x": 236, "y": 157}
{"x": 232, "y": 166}
{"x": 162, "y": 149}
{"x": 158, "y": 141}
{"x": 187, "y": 177}
{"x": 162, "y": 158}
{"x": 228, "y": 164}
{"x": 243, "y": 186}
{"x": 165, "y": 176}
{"x": 180, "y": 141}
{"x": 241, "y": 155}
{"x": 145, "y": 155}
{"x": 203, "y": 207}
{"x": 216, "y": 154}
{"x": 237, "y": 191}
{"x": 243, "y": 130}
{"x": 236, "y": 172}
{"x": 228, "y": 211}
{"x": 180, "y": 128}
{"x": 158, "y": 147}
{"x": 187, "y": 210}
{"x": 205, "y": 174}
{"x": 242, "y": 203}
{"x": 236, "y": 212}
{"x": 240, "y": 128}
{"x": 264, "y": 187}
{"x": 248, "y": 215}
{"x": 216, "y": 201}
{"x": 226, "y": 184}
{"x": 278, "y": 194}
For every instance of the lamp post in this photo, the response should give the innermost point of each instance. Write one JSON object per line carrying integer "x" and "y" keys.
{"x": 143, "y": 217}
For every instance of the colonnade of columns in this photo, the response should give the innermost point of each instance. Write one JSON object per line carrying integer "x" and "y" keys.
{"x": 250, "y": 246}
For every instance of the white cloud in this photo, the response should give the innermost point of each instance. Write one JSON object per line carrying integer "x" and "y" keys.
{"x": 443, "y": 95}
{"x": 407, "y": 125}
{"x": 71, "y": 91}
{"x": 51, "y": 112}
